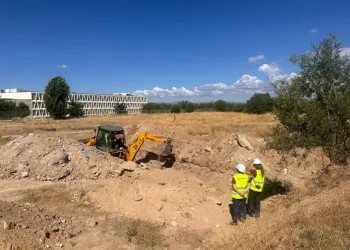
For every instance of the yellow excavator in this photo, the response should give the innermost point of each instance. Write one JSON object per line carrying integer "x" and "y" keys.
{"x": 111, "y": 139}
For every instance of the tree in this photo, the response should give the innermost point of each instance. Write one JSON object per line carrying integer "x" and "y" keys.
{"x": 7, "y": 105}
{"x": 190, "y": 107}
{"x": 314, "y": 107}
{"x": 120, "y": 108}
{"x": 56, "y": 97}
{"x": 22, "y": 109}
{"x": 176, "y": 108}
{"x": 259, "y": 104}
{"x": 220, "y": 106}
{"x": 76, "y": 109}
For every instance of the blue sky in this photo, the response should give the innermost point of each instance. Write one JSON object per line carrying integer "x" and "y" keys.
{"x": 167, "y": 50}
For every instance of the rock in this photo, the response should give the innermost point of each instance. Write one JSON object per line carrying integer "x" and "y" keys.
{"x": 57, "y": 156}
{"x": 45, "y": 234}
{"x": 60, "y": 245}
{"x": 24, "y": 174}
{"x": 91, "y": 222}
{"x": 159, "y": 207}
{"x": 243, "y": 142}
{"x": 174, "y": 223}
{"x": 129, "y": 166}
{"x": 138, "y": 198}
{"x": 208, "y": 149}
{"x": 143, "y": 165}
{"x": 9, "y": 225}
{"x": 216, "y": 201}
{"x": 285, "y": 171}
{"x": 21, "y": 166}
{"x": 24, "y": 226}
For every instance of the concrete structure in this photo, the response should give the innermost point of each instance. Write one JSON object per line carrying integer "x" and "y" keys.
{"x": 94, "y": 104}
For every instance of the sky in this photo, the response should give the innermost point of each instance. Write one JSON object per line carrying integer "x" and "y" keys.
{"x": 166, "y": 50}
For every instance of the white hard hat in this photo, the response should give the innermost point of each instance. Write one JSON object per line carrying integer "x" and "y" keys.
{"x": 256, "y": 162}
{"x": 240, "y": 168}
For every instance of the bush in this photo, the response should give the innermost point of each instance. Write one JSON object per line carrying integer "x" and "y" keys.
{"x": 190, "y": 107}
{"x": 56, "y": 97}
{"x": 220, "y": 106}
{"x": 76, "y": 109}
{"x": 9, "y": 109}
{"x": 175, "y": 109}
{"x": 22, "y": 109}
{"x": 314, "y": 107}
{"x": 120, "y": 109}
{"x": 259, "y": 104}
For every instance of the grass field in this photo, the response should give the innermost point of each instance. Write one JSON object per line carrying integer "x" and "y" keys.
{"x": 198, "y": 123}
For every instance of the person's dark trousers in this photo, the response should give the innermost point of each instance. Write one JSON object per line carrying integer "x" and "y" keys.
{"x": 254, "y": 199}
{"x": 239, "y": 210}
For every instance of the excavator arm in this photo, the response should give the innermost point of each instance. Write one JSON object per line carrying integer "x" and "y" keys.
{"x": 145, "y": 137}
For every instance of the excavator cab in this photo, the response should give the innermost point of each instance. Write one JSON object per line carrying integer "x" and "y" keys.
{"x": 105, "y": 137}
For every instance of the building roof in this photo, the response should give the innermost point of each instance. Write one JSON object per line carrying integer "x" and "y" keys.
{"x": 111, "y": 128}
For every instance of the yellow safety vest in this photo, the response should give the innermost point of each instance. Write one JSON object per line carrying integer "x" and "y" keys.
{"x": 241, "y": 184}
{"x": 257, "y": 181}
{"x": 106, "y": 138}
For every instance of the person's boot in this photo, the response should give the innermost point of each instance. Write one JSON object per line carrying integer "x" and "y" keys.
{"x": 250, "y": 216}
{"x": 234, "y": 223}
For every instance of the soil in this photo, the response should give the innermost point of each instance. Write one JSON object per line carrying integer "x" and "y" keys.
{"x": 181, "y": 204}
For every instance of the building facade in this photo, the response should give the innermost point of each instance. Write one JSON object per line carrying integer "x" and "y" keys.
{"x": 94, "y": 104}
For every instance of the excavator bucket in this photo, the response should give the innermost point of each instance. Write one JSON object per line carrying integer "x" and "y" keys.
{"x": 168, "y": 149}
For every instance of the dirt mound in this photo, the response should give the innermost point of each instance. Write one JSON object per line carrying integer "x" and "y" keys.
{"x": 41, "y": 157}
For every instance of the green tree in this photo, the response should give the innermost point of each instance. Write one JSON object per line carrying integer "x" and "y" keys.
{"x": 76, "y": 109}
{"x": 314, "y": 107}
{"x": 259, "y": 104}
{"x": 175, "y": 108}
{"x": 7, "y": 105}
{"x": 22, "y": 109}
{"x": 220, "y": 106}
{"x": 120, "y": 108}
{"x": 56, "y": 97}
{"x": 190, "y": 107}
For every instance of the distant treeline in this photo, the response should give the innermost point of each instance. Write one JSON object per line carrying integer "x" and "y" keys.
{"x": 10, "y": 109}
{"x": 257, "y": 104}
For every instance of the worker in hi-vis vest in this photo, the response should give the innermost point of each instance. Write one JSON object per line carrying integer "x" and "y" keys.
{"x": 107, "y": 139}
{"x": 240, "y": 188}
{"x": 256, "y": 187}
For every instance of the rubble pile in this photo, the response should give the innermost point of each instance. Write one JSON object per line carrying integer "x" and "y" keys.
{"x": 34, "y": 227}
{"x": 45, "y": 158}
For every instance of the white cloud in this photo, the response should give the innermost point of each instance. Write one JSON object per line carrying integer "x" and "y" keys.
{"x": 62, "y": 66}
{"x": 172, "y": 92}
{"x": 215, "y": 86}
{"x": 248, "y": 81}
{"x": 273, "y": 73}
{"x": 345, "y": 52}
{"x": 314, "y": 30}
{"x": 255, "y": 59}
{"x": 245, "y": 83}
{"x": 269, "y": 68}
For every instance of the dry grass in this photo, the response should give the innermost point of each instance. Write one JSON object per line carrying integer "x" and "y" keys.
{"x": 198, "y": 123}
{"x": 319, "y": 222}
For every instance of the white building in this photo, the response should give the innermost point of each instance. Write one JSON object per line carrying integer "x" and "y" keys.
{"x": 94, "y": 104}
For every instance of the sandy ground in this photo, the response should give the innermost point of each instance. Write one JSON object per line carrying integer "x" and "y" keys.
{"x": 184, "y": 206}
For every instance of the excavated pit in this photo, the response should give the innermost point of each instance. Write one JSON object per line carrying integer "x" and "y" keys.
{"x": 274, "y": 187}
